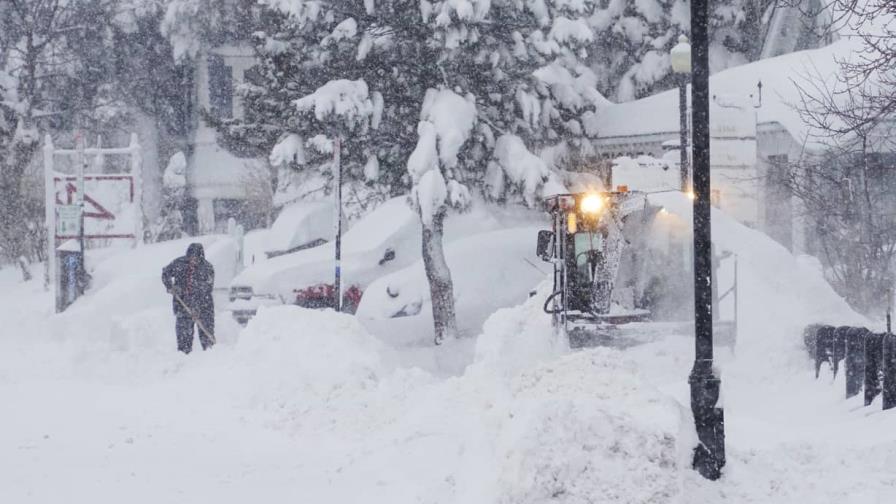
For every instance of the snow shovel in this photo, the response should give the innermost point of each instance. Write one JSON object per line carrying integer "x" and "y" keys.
{"x": 209, "y": 335}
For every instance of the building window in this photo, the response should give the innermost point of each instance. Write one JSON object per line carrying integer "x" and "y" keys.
{"x": 220, "y": 87}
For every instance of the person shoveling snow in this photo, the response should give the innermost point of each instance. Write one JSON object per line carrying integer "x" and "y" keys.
{"x": 190, "y": 279}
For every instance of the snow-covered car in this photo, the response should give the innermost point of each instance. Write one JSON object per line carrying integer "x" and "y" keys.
{"x": 300, "y": 225}
{"x": 489, "y": 270}
{"x": 381, "y": 242}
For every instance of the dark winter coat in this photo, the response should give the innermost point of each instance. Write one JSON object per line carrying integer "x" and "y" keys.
{"x": 193, "y": 281}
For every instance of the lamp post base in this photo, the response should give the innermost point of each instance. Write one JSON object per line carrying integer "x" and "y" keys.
{"x": 709, "y": 455}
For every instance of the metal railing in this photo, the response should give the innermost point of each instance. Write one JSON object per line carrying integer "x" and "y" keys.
{"x": 868, "y": 359}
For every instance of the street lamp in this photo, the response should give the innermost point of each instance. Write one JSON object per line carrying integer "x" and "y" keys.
{"x": 709, "y": 420}
{"x": 681, "y": 65}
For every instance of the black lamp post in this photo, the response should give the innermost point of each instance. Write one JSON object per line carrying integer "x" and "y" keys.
{"x": 709, "y": 420}
{"x": 680, "y": 57}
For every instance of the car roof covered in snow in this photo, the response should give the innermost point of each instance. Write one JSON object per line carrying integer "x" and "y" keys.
{"x": 392, "y": 224}
{"x": 299, "y": 224}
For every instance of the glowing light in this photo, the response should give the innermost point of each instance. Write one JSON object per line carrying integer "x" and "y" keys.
{"x": 591, "y": 204}
{"x": 571, "y": 224}
{"x": 691, "y": 195}
{"x": 663, "y": 211}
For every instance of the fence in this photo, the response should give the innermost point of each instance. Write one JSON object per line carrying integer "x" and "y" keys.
{"x": 867, "y": 359}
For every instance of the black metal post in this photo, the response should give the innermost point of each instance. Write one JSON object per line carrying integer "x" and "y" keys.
{"x": 709, "y": 420}
{"x": 683, "y": 130}
{"x": 889, "y": 370}
{"x": 873, "y": 365}
{"x": 854, "y": 361}
{"x": 337, "y": 283}
{"x": 838, "y": 350}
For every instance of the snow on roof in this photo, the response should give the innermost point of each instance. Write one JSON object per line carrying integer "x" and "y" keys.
{"x": 659, "y": 113}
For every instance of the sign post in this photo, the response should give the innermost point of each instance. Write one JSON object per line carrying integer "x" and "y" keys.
{"x": 83, "y": 206}
{"x": 337, "y": 286}
{"x": 79, "y": 195}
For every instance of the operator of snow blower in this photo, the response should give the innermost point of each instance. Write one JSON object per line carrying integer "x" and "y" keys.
{"x": 190, "y": 279}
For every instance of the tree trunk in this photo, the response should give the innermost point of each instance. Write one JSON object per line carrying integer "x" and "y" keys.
{"x": 440, "y": 286}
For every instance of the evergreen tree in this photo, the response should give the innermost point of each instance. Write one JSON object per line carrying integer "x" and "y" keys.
{"x": 635, "y": 37}
{"x": 304, "y": 49}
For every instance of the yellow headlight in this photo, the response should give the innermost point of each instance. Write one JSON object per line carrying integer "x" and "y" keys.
{"x": 591, "y": 204}
{"x": 572, "y": 225}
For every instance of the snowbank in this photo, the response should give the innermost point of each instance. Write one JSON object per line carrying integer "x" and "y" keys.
{"x": 779, "y": 294}
{"x": 585, "y": 427}
{"x": 516, "y": 338}
{"x": 543, "y": 427}
{"x": 298, "y": 362}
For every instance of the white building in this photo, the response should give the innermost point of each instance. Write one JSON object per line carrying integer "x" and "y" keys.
{"x": 221, "y": 184}
{"x": 752, "y": 142}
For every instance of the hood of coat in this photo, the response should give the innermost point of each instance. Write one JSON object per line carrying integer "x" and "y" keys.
{"x": 195, "y": 250}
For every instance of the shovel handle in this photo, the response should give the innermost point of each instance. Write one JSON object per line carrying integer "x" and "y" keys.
{"x": 209, "y": 335}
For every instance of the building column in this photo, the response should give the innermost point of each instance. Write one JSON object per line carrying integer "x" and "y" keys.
{"x": 206, "y": 214}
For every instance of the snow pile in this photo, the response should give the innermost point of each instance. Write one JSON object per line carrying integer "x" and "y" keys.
{"x": 573, "y": 426}
{"x": 516, "y": 338}
{"x": 543, "y": 427}
{"x": 301, "y": 362}
{"x": 778, "y": 293}
{"x": 586, "y": 425}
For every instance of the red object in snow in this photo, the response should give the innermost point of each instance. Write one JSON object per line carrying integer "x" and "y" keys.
{"x": 322, "y": 296}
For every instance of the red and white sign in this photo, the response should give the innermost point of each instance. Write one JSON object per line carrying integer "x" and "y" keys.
{"x": 109, "y": 210}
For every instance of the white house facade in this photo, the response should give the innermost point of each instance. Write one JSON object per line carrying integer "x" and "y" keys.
{"x": 220, "y": 183}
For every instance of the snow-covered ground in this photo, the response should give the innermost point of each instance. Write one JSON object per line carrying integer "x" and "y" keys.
{"x": 308, "y": 406}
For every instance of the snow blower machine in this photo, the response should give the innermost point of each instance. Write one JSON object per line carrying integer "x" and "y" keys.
{"x": 622, "y": 269}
